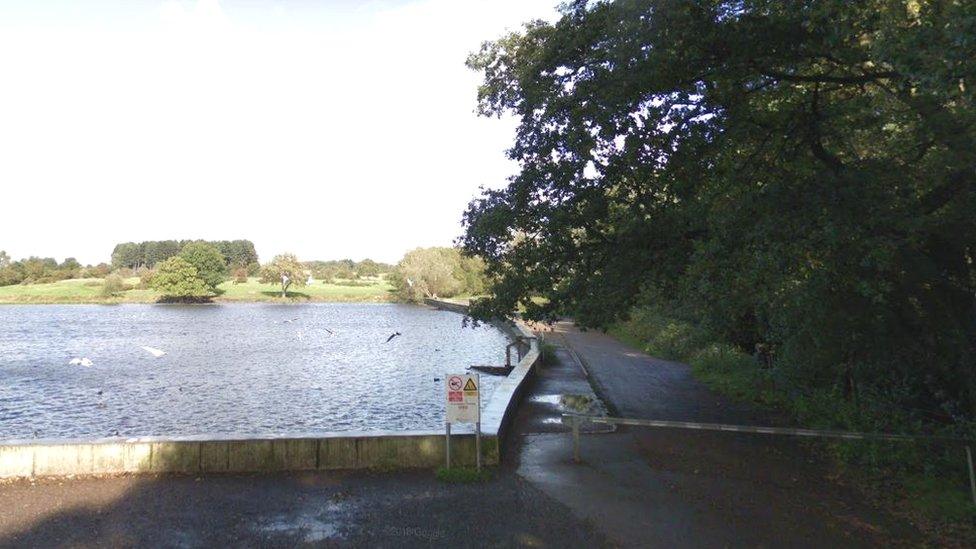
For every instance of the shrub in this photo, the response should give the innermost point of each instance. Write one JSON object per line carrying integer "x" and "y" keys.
{"x": 177, "y": 278}
{"x": 113, "y": 284}
{"x": 145, "y": 278}
{"x": 208, "y": 262}
{"x": 240, "y": 275}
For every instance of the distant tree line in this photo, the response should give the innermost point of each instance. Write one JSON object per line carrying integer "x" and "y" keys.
{"x": 45, "y": 269}
{"x": 347, "y": 269}
{"x": 132, "y": 255}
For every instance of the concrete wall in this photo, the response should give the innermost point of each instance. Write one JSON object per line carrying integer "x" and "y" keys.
{"x": 387, "y": 450}
{"x": 496, "y": 415}
{"x": 317, "y": 451}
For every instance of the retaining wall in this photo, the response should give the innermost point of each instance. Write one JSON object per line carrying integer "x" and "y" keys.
{"x": 383, "y": 450}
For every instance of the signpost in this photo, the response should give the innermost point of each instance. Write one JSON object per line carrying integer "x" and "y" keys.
{"x": 463, "y": 404}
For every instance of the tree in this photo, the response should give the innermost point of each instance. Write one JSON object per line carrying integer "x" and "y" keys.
{"x": 367, "y": 268}
{"x": 4, "y": 259}
{"x": 792, "y": 174}
{"x": 178, "y": 278}
{"x": 127, "y": 254}
{"x": 208, "y": 261}
{"x": 284, "y": 269}
{"x": 436, "y": 272}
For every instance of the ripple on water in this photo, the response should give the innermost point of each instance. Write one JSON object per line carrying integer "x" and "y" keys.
{"x": 231, "y": 369}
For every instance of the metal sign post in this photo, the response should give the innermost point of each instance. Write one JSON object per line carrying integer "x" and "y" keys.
{"x": 463, "y": 405}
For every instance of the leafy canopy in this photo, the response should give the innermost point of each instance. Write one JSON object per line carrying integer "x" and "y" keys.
{"x": 286, "y": 270}
{"x": 797, "y": 174}
{"x": 178, "y": 278}
{"x": 209, "y": 262}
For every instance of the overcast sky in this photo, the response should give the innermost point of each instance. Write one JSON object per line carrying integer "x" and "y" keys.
{"x": 328, "y": 129}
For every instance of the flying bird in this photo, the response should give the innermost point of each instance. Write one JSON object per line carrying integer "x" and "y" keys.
{"x": 81, "y": 362}
{"x": 154, "y": 351}
{"x": 328, "y": 330}
{"x": 287, "y": 321}
{"x": 392, "y": 336}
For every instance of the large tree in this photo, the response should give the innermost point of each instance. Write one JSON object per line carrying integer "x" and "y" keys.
{"x": 795, "y": 173}
{"x": 285, "y": 270}
{"x": 209, "y": 262}
{"x": 177, "y": 278}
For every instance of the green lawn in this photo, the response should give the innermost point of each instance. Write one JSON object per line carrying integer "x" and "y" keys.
{"x": 90, "y": 291}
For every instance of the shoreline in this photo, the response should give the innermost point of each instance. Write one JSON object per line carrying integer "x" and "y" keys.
{"x": 215, "y": 301}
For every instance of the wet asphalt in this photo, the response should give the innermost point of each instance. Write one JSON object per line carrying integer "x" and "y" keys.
{"x": 645, "y": 487}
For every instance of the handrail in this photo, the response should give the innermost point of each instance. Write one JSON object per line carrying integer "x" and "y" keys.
{"x": 574, "y": 420}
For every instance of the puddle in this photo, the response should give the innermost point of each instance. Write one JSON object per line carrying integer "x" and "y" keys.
{"x": 579, "y": 404}
{"x": 308, "y": 526}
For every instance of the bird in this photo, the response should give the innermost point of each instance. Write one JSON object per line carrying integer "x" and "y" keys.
{"x": 81, "y": 362}
{"x": 153, "y": 351}
{"x": 99, "y": 392}
{"x": 328, "y": 330}
{"x": 292, "y": 320}
{"x": 392, "y": 336}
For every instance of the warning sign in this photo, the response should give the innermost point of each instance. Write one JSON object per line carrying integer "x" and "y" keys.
{"x": 463, "y": 398}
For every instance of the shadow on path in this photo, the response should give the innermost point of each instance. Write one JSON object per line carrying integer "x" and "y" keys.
{"x": 670, "y": 488}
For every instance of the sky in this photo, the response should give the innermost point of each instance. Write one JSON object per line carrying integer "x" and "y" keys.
{"x": 332, "y": 129}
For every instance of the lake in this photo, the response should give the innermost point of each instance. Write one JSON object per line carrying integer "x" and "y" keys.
{"x": 245, "y": 369}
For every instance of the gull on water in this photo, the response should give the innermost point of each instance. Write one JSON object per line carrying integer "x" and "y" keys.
{"x": 154, "y": 351}
{"x": 81, "y": 362}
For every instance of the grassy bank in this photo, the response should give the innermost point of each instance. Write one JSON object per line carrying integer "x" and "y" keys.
{"x": 928, "y": 482}
{"x": 90, "y": 291}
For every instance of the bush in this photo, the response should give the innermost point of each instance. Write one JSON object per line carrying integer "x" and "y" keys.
{"x": 113, "y": 284}
{"x": 145, "y": 278}
{"x": 208, "y": 262}
{"x": 176, "y": 278}
{"x": 240, "y": 275}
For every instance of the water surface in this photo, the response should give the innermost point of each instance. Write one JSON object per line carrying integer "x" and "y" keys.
{"x": 231, "y": 368}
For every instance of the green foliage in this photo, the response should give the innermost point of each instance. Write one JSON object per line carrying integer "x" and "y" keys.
{"x": 547, "y": 354}
{"x": 463, "y": 475}
{"x": 209, "y": 262}
{"x": 177, "y": 278}
{"x": 132, "y": 255}
{"x": 113, "y": 285}
{"x": 36, "y": 270}
{"x": 286, "y": 270}
{"x": 437, "y": 272}
{"x": 794, "y": 176}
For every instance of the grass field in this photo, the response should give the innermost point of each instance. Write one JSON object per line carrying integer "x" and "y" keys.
{"x": 90, "y": 291}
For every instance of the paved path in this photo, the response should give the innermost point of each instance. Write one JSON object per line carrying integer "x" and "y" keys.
{"x": 667, "y": 488}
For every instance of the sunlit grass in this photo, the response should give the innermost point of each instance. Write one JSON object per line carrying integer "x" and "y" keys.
{"x": 90, "y": 291}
